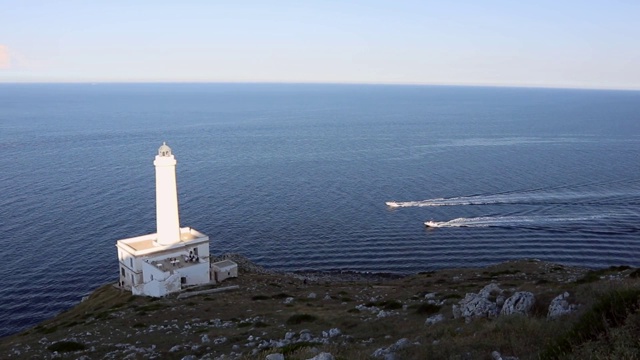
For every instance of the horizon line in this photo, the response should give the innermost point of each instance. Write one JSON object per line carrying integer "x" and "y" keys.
{"x": 522, "y": 86}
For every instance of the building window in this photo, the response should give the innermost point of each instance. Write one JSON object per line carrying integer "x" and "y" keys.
{"x": 132, "y": 282}
{"x": 122, "y": 270}
{"x": 131, "y": 262}
{"x": 183, "y": 280}
{"x": 151, "y": 277}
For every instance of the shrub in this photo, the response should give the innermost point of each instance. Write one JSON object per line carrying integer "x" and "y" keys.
{"x": 49, "y": 330}
{"x": 591, "y": 276}
{"x": 288, "y": 349}
{"x": 452, "y": 296}
{"x": 427, "y": 309}
{"x": 281, "y": 296}
{"x": 635, "y": 273}
{"x": 150, "y": 307}
{"x": 65, "y": 346}
{"x": 391, "y": 305}
{"x": 300, "y": 318}
{"x": 611, "y": 311}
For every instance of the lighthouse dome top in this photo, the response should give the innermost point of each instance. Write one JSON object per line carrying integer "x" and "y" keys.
{"x": 164, "y": 150}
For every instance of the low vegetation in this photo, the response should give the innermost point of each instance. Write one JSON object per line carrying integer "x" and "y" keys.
{"x": 370, "y": 313}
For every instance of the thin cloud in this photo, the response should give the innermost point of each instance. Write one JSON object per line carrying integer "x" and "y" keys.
{"x": 5, "y": 60}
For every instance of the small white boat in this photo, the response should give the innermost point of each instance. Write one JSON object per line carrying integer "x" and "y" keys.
{"x": 431, "y": 224}
{"x": 392, "y": 204}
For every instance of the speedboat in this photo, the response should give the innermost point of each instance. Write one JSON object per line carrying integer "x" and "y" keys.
{"x": 392, "y": 204}
{"x": 431, "y": 224}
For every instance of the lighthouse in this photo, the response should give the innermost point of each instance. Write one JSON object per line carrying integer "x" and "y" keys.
{"x": 167, "y": 216}
{"x": 173, "y": 258}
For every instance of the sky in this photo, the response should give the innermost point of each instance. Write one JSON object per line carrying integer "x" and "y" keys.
{"x": 542, "y": 43}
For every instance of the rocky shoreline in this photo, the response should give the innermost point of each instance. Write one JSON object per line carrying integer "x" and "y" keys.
{"x": 485, "y": 313}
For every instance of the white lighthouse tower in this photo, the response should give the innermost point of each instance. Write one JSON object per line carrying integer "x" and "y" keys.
{"x": 173, "y": 257}
{"x": 167, "y": 217}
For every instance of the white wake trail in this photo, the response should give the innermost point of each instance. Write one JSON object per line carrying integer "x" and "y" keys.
{"x": 506, "y": 199}
{"x": 509, "y": 221}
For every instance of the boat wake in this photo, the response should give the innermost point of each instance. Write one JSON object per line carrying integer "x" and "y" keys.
{"x": 525, "y": 198}
{"x": 509, "y": 221}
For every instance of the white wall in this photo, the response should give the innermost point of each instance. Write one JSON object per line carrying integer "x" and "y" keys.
{"x": 195, "y": 274}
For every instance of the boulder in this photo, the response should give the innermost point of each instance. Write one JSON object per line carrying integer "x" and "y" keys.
{"x": 491, "y": 289}
{"x": 434, "y": 319}
{"x": 474, "y": 306}
{"x": 478, "y": 305}
{"x": 322, "y": 356}
{"x": 277, "y": 356}
{"x": 560, "y": 306}
{"x": 520, "y": 302}
{"x": 389, "y": 353}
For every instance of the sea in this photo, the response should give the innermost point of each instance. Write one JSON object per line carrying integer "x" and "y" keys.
{"x": 296, "y": 176}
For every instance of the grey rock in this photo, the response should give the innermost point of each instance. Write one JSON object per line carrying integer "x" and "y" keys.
{"x": 289, "y": 335}
{"x": 312, "y": 296}
{"x": 519, "y": 303}
{"x": 434, "y": 319}
{"x": 220, "y": 340}
{"x": 322, "y": 356}
{"x": 560, "y": 306}
{"x": 204, "y": 339}
{"x": 490, "y": 289}
{"x": 288, "y": 300}
{"x": 478, "y": 305}
{"x": 457, "y": 313}
{"x": 175, "y": 348}
{"x": 473, "y": 306}
{"x": 277, "y": 356}
{"x": 400, "y": 344}
{"x": 189, "y": 357}
{"x": 334, "y": 332}
{"x": 496, "y": 355}
{"x": 380, "y": 352}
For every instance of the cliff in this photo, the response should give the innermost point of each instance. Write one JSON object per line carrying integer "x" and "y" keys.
{"x": 448, "y": 314}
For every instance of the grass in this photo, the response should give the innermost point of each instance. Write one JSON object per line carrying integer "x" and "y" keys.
{"x": 610, "y": 312}
{"x": 300, "y": 318}
{"x": 281, "y": 296}
{"x": 427, "y": 309}
{"x": 150, "y": 307}
{"x": 66, "y": 346}
{"x": 523, "y": 337}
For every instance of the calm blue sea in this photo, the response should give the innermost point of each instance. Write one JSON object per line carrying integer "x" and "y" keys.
{"x": 296, "y": 177}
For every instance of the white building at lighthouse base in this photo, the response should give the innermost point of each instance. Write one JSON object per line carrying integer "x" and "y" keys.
{"x": 148, "y": 268}
{"x": 172, "y": 258}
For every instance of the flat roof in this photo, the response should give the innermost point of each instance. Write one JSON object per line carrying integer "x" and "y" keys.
{"x": 173, "y": 263}
{"x": 148, "y": 244}
{"x": 224, "y": 264}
